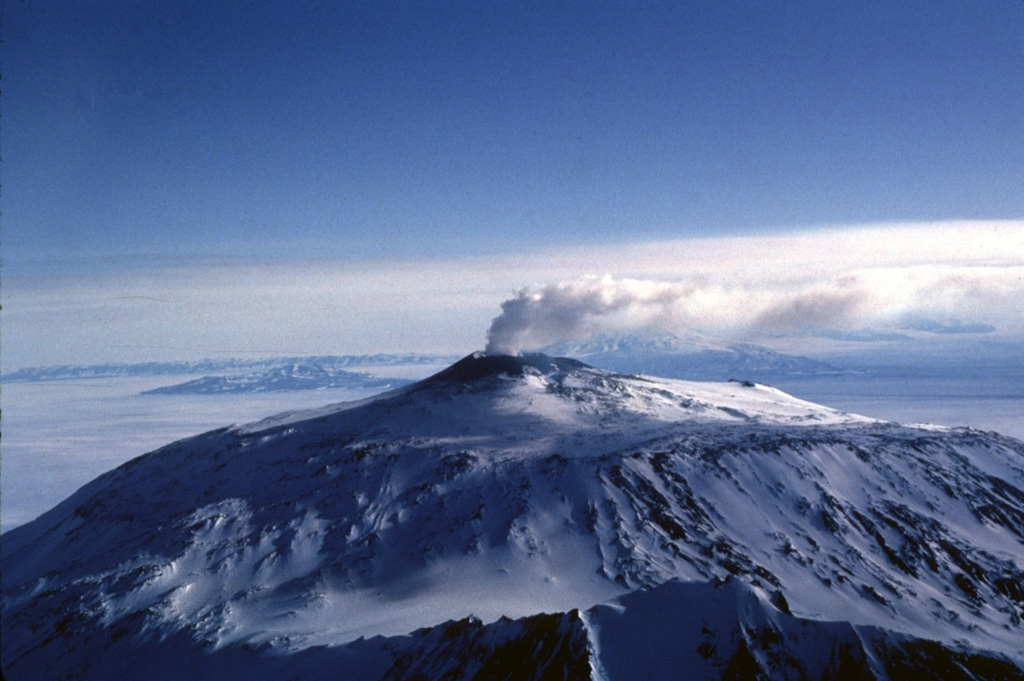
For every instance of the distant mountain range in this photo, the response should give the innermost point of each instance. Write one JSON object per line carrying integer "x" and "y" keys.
{"x": 221, "y": 366}
{"x": 695, "y": 358}
{"x": 640, "y": 352}
{"x": 296, "y": 376}
{"x": 650, "y": 352}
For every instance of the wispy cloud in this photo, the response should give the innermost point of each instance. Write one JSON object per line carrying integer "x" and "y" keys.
{"x": 813, "y": 309}
{"x": 804, "y": 283}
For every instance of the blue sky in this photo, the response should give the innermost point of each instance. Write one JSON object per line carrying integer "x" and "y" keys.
{"x": 143, "y": 136}
{"x": 425, "y": 128}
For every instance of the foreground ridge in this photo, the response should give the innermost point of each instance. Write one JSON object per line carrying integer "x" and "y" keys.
{"x": 630, "y": 509}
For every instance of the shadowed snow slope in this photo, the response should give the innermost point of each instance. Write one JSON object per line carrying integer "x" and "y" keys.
{"x": 505, "y": 487}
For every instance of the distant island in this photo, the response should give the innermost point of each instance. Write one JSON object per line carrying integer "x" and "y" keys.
{"x": 296, "y": 376}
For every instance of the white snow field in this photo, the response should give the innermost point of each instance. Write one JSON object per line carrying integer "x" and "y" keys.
{"x": 726, "y": 527}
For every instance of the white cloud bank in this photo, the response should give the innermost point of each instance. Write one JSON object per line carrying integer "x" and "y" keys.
{"x": 798, "y": 283}
{"x": 948, "y": 278}
{"x": 933, "y": 301}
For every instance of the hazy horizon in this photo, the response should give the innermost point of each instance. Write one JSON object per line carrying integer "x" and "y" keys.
{"x": 189, "y": 180}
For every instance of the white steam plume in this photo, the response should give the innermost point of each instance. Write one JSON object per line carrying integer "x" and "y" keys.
{"x": 540, "y": 315}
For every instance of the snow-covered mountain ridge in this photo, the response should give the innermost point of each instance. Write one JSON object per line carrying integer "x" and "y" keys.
{"x": 288, "y": 377}
{"x": 695, "y": 357}
{"x": 232, "y": 365}
{"x": 509, "y": 487}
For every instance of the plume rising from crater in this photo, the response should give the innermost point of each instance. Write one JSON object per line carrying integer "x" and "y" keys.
{"x": 540, "y": 315}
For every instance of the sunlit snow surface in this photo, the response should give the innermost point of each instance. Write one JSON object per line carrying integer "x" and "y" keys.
{"x": 513, "y": 486}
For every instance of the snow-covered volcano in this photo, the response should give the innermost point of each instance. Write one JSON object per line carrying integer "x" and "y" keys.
{"x": 427, "y": 530}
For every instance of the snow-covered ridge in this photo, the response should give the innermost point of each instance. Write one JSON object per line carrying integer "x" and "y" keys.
{"x": 289, "y": 377}
{"x": 513, "y": 486}
{"x": 696, "y": 357}
{"x": 477, "y": 392}
{"x": 232, "y": 365}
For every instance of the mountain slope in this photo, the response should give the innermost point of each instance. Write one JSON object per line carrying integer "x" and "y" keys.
{"x": 510, "y": 487}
